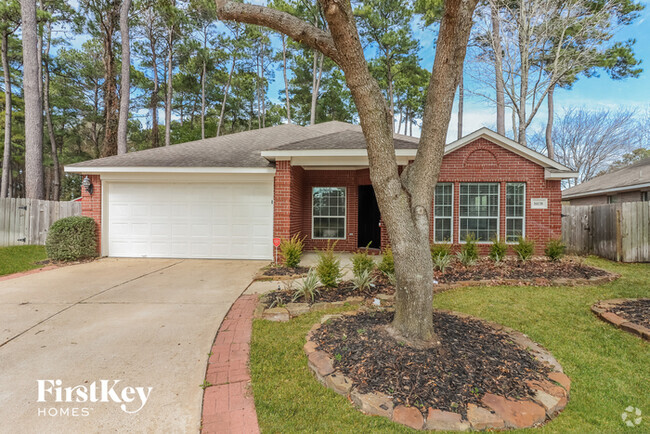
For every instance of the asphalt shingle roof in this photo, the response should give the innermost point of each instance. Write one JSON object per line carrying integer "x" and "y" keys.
{"x": 632, "y": 175}
{"x": 348, "y": 139}
{"x": 244, "y": 149}
{"x": 232, "y": 150}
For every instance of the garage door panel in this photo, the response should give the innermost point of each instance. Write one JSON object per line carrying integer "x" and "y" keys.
{"x": 204, "y": 220}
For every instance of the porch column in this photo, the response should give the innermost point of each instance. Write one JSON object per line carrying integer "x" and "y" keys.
{"x": 282, "y": 200}
{"x": 91, "y": 206}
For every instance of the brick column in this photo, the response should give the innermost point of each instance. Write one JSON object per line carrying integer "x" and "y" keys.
{"x": 91, "y": 206}
{"x": 282, "y": 200}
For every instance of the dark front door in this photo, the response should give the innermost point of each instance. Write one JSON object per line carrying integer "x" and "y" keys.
{"x": 369, "y": 230}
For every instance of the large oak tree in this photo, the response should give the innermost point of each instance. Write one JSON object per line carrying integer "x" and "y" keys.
{"x": 404, "y": 198}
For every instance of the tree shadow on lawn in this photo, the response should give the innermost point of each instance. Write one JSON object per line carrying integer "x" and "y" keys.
{"x": 608, "y": 367}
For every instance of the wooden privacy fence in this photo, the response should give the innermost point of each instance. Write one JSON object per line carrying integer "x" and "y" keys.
{"x": 26, "y": 221}
{"x": 617, "y": 231}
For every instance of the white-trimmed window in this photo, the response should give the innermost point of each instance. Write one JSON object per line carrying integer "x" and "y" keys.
{"x": 443, "y": 206}
{"x": 515, "y": 211}
{"x": 328, "y": 212}
{"x": 479, "y": 211}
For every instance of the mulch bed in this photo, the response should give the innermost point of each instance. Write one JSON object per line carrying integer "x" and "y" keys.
{"x": 285, "y": 271}
{"x": 486, "y": 269}
{"x": 636, "y": 311}
{"x": 472, "y": 360}
{"x": 328, "y": 295}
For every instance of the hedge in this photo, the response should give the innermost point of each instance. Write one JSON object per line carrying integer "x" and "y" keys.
{"x": 72, "y": 239}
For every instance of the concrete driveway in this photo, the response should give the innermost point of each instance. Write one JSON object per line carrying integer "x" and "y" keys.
{"x": 146, "y": 322}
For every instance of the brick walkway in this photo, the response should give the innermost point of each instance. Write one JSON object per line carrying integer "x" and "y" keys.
{"x": 228, "y": 405}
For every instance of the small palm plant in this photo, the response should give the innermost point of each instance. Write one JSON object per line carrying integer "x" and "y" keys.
{"x": 442, "y": 261}
{"x": 307, "y": 288}
{"x": 363, "y": 280}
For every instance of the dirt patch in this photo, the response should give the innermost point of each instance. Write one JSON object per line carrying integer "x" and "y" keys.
{"x": 285, "y": 271}
{"x": 473, "y": 359}
{"x": 636, "y": 311}
{"x": 510, "y": 269}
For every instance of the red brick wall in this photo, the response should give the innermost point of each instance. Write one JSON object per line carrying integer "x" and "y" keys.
{"x": 497, "y": 164}
{"x": 281, "y": 200}
{"x": 480, "y": 161}
{"x": 296, "y": 198}
{"x": 91, "y": 206}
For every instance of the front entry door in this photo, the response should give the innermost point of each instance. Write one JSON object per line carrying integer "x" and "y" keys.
{"x": 369, "y": 229}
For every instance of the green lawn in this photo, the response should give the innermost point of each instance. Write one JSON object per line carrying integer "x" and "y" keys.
{"x": 609, "y": 368}
{"x": 15, "y": 259}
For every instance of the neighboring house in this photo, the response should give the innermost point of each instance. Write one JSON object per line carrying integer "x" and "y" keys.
{"x": 228, "y": 197}
{"x": 629, "y": 184}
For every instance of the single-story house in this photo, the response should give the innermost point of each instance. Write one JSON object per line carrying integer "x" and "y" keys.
{"x": 629, "y": 184}
{"x": 229, "y": 196}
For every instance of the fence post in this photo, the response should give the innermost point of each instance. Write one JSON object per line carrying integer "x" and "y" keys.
{"x": 619, "y": 235}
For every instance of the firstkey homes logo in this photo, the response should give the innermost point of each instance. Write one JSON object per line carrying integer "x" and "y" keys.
{"x": 82, "y": 397}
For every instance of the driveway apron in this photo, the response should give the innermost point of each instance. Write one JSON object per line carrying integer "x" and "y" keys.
{"x": 148, "y": 323}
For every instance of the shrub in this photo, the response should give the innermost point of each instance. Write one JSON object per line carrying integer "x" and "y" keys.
{"x": 364, "y": 280}
{"x": 307, "y": 287}
{"x": 71, "y": 239}
{"x": 292, "y": 251}
{"x": 387, "y": 264}
{"x": 328, "y": 268}
{"x": 524, "y": 248}
{"x": 362, "y": 261}
{"x": 469, "y": 250}
{"x": 498, "y": 250}
{"x": 466, "y": 258}
{"x": 392, "y": 279}
{"x": 442, "y": 261}
{"x": 554, "y": 250}
{"x": 442, "y": 249}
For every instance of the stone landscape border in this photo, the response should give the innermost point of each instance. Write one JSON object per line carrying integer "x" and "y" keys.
{"x": 291, "y": 310}
{"x": 603, "y": 310}
{"x": 496, "y": 412}
{"x": 537, "y": 281}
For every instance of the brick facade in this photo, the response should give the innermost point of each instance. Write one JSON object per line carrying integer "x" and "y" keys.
{"x": 483, "y": 161}
{"x": 479, "y": 161}
{"x": 91, "y": 206}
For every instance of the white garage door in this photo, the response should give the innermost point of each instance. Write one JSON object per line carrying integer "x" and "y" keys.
{"x": 198, "y": 220}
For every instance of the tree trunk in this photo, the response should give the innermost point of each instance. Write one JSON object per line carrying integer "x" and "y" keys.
{"x": 315, "y": 88}
{"x": 225, "y": 93}
{"x": 549, "y": 124}
{"x": 33, "y": 103}
{"x": 155, "y": 135}
{"x": 263, "y": 91}
{"x": 6, "y": 155}
{"x": 461, "y": 98}
{"x": 284, "y": 72}
{"x": 391, "y": 103}
{"x": 55, "y": 192}
{"x": 257, "y": 94}
{"x": 109, "y": 146}
{"x": 498, "y": 70}
{"x": 125, "y": 80}
{"x": 203, "y": 72}
{"x": 170, "y": 89}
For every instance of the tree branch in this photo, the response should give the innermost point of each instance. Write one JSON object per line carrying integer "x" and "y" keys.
{"x": 283, "y": 22}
